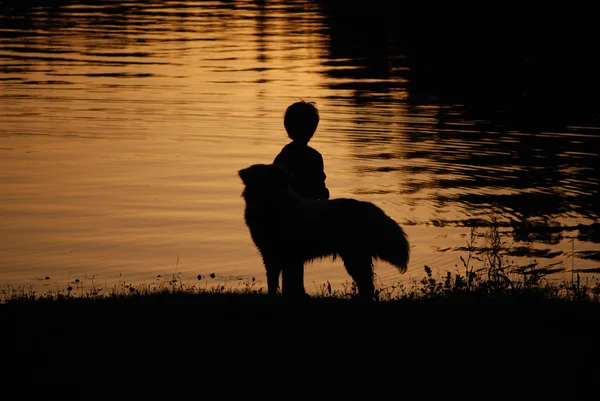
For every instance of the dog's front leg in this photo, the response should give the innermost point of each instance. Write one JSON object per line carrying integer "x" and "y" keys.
{"x": 293, "y": 280}
{"x": 273, "y": 273}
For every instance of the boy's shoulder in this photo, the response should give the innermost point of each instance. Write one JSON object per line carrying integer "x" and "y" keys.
{"x": 294, "y": 146}
{"x": 312, "y": 150}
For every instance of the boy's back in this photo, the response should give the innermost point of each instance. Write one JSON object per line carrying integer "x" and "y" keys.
{"x": 306, "y": 165}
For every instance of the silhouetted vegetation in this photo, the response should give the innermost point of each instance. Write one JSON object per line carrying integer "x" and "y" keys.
{"x": 487, "y": 275}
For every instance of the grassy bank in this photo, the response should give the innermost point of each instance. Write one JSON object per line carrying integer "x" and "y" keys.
{"x": 487, "y": 326}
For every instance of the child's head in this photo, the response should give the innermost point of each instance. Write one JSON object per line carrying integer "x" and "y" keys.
{"x": 301, "y": 120}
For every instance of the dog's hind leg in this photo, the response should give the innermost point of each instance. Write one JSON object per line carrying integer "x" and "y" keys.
{"x": 360, "y": 268}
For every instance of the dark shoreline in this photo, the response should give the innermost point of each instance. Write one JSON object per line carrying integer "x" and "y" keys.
{"x": 237, "y": 337}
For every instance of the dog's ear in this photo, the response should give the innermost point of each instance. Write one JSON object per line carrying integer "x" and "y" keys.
{"x": 265, "y": 174}
{"x": 246, "y": 175}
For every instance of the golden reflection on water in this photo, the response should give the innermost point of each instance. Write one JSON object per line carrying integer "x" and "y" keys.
{"x": 123, "y": 131}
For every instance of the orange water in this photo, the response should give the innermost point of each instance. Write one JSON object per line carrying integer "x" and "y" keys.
{"x": 123, "y": 129}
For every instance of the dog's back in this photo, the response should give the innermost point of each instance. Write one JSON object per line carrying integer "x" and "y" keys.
{"x": 351, "y": 227}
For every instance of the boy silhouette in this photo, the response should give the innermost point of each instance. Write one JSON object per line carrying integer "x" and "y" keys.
{"x": 302, "y": 161}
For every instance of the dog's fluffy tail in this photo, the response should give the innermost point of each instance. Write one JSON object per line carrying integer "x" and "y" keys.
{"x": 393, "y": 245}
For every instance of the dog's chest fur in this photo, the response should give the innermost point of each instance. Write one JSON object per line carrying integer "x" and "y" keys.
{"x": 269, "y": 220}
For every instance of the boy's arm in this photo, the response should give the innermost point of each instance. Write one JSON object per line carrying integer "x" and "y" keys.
{"x": 324, "y": 192}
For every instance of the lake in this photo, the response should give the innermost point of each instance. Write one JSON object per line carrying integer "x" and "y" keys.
{"x": 124, "y": 125}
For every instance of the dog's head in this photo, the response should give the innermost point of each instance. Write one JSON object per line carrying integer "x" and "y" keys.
{"x": 265, "y": 179}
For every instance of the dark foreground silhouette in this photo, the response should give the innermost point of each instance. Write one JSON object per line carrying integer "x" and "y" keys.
{"x": 290, "y": 231}
{"x": 205, "y": 343}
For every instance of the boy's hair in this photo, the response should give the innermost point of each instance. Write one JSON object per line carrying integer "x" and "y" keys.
{"x": 301, "y": 120}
